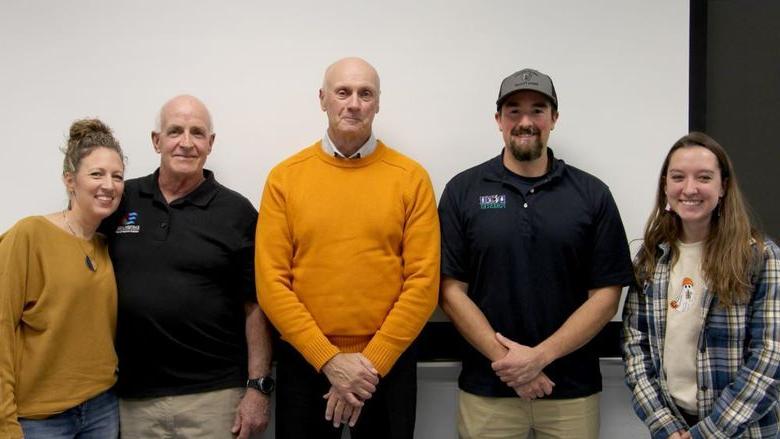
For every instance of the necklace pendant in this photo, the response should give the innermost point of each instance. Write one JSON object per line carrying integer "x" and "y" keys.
{"x": 89, "y": 264}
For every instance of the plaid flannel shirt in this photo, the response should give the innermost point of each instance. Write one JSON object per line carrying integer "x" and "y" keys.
{"x": 738, "y": 360}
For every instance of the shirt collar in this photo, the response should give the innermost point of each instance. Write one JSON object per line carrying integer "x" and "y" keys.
{"x": 498, "y": 172}
{"x": 201, "y": 196}
{"x": 365, "y": 150}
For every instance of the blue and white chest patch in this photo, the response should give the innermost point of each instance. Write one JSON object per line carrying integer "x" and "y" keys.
{"x": 129, "y": 224}
{"x": 492, "y": 201}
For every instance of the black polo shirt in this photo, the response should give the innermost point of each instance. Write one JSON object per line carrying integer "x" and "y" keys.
{"x": 184, "y": 271}
{"x": 530, "y": 250}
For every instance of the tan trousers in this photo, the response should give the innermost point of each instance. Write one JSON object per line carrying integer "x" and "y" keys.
{"x": 485, "y": 417}
{"x": 207, "y": 415}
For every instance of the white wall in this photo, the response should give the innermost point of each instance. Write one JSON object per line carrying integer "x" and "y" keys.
{"x": 620, "y": 68}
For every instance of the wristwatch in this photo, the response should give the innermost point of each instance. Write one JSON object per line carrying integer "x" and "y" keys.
{"x": 264, "y": 385}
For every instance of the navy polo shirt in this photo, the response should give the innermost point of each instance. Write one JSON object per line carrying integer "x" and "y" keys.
{"x": 184, "y": 271}
{"x": 530, "y": 250}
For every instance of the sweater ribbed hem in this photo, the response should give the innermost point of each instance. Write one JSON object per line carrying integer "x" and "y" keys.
{"x": 350, "y": 343}
{"x": 382, "y": 355}
{"x": 319, "y": 351}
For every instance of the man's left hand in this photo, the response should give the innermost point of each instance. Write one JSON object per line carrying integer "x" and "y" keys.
{"x": 352, "y": 376}
{"x": 339, "y": 411}
{"x": 538, "y": 387}
{"x": 520, "y": 365}
{"x": 252, "y": 414}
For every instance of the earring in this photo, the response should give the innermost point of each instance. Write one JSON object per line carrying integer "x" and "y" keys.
{"x": 668, "y": 208}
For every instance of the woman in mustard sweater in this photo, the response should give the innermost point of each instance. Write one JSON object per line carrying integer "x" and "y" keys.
{"x": 58, "y": 303}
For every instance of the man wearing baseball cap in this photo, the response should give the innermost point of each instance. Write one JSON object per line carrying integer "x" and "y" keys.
{"x": 534, "y": 255}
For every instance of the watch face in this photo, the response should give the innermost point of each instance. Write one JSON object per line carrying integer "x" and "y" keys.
{"x": 266, "y": 385}
{"x": 263, "y": 384}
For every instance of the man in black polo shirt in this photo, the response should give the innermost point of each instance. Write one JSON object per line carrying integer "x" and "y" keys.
{"x": 534, "y": 255}
{"x": 190, "y": 331}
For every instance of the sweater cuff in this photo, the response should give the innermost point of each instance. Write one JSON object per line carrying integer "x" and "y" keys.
{"x": 382, "y": 355}
{"x": 318, "y": 350}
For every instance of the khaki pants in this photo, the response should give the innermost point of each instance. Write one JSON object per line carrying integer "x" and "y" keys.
{"x": 486, "y": 417}
{"x": 204, "y": 415}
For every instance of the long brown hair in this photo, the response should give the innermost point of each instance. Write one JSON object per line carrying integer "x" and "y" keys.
{"x": 728, "y": 258}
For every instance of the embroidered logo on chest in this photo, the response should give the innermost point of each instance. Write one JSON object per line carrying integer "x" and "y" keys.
{"x": 128, "y": 224}
{"x": 492, "y": 201}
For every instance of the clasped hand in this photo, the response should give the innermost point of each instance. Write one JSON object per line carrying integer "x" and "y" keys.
{"x": 521, "y": 369}
{"x": 353, "y": 380}
{"x": 520, "y": 365}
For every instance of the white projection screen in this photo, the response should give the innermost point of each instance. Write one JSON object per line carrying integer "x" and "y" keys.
{"x": 620, "y": 68}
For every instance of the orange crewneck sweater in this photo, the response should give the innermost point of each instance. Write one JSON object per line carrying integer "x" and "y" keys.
{"x": 347, "y": 254}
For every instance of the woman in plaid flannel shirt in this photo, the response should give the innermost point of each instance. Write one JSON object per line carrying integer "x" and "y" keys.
{"x": 701, "y": 324}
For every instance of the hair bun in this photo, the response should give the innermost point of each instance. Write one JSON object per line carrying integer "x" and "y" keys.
{"x": 86, "y": 135}
{"x": 84, "y": 127}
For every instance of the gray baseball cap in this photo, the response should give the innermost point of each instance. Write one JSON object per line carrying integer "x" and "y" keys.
{"x": 527, "y": 79}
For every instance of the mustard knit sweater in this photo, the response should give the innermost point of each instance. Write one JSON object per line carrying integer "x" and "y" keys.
{"x": 347, "y": 254}
{"x": 57, "y": 322}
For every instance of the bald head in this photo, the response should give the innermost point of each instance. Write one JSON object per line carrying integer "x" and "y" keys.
{"x": 350, "y": 66}
{"x": 183, "y": 103}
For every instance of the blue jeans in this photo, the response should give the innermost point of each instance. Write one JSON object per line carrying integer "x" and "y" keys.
{"x": 97, "y": 418}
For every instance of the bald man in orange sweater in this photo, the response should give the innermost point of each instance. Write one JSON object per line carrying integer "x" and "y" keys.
{"x": 347, "y": 262}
